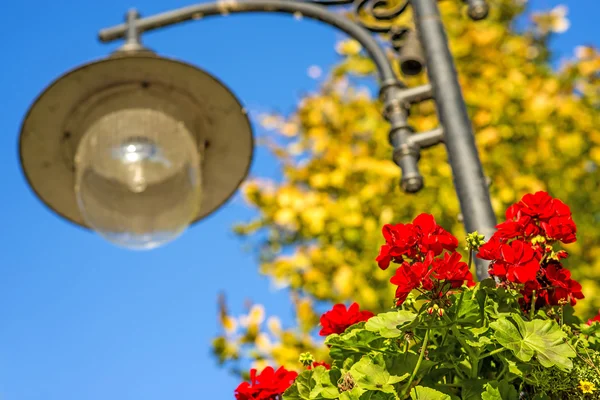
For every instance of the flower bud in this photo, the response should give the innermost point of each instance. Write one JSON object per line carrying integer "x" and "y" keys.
{"x": 561, "y": 254}
{"x": 430, "y": 310}
{"x": 306, "y": 359}
{"x": 538, "y": 239}
{"x": 563, "y": 302}
{"x": 475, "y": 241}
{"x": 441, "y": 312}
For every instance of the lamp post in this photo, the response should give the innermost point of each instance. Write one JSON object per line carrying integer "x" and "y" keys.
{"x": 137, "y": 146}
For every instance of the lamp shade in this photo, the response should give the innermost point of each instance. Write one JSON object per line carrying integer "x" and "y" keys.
{"x": 135, "y": 90}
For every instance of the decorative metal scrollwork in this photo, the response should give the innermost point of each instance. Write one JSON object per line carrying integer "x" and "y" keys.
{"x": 381, "y": 12}
{"x": 379, "y": 16}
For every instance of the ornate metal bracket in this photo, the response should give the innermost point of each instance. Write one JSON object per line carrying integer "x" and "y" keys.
{"x": 383, "y": 11}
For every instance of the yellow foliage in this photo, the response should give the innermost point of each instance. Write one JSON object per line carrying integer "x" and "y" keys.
{"x": 536, "y": 129}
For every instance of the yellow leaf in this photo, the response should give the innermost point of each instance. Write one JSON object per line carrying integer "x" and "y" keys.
{"x": 349, "y": 47}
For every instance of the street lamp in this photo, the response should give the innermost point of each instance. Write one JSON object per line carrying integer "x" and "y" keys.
{"x": 137, "y": 147}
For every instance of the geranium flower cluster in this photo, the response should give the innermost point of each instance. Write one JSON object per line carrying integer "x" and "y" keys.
{"x": 339, "y": 318}
{"x": 268, "y": 385}
{"x": 522, "y": 251}
{"x": 419, "y": 249}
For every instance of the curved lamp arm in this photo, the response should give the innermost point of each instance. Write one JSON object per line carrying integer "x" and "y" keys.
{"x": 406, "y": 152}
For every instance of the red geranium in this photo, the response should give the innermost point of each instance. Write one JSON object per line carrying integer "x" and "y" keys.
{"x": 414, "y": 241}
{"x": 400, "y": 240}
{"x": 268, "y": 385}
{"x": 316, "y": 364}
{"x": 339, "y": 318}
{"x": 560, "y": 228}
{"x": 541, "y": 296}
{"x": 538, "y": 214}
{"x": 595, "y": 319}
{"x": 523, "y": 226}
{"x": 564, "y": 288}
{"x": 436, "y": 275}
{"x": 521, "y": 251}
{"x": 518, "y": 262}
{"x": 452, "y": 270}
{"x": 432, "y": 236}
{"x": 491, "y": 249}
{"x": 412, "y": 276}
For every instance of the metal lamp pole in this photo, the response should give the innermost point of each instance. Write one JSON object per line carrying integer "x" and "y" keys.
{"x": 427, "y": 46}
{"x": 469, "y": 179}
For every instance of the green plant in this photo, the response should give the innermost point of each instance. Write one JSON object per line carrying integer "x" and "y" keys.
{"x": 512, "y": 336}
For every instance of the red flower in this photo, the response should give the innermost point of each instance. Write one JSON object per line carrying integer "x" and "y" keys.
{"x": 560, "y": 228}
{"x": 452, "y": 270}
{"x": 268, "y": 385}
{"x": 565, "y": 289}
{"x": 414, "y": 241}
{"x": 316, "y": 364}
{"x": 409, "y": 277}
{"x": 338, "y": 319}
{"x": 400, "y": 239}
{"x": 523, "y": 226}
{"x": 541, "y": 296}
{"x": 538, "y": 214}
{"x": 595, "y": 319}
{"x": 518, "y": 262}
{"x": 433, "y": 237}
{"x": 539, "y": 205}
{"x": 491, "y": 249}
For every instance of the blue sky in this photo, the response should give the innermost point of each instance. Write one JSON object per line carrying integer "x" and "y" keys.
{"x": 82, "y": 320}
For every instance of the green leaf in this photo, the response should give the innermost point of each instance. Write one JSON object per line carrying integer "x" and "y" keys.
{"x": 301, "y": 388}
{"x": 519, "y": 369}
{"x": 500, "y": 302}
{"x": 353, "y": 394}
{"x": 479, "y": 342}
{"x": 387, "y": 324}
{"x": 354, "y": 344}
{"x": 375, "y": 395}
{"x": 502, "y": 390}
{"x": 479, "y": 331}
{"x": 347, "y": 364}
{"x": 316, "y": 384}
{"x": 469, "y": 311}
{"x": 425, "y": 393}
{"x": 472, "y": 389}
{"x": 544, "y": 339}
{"x": 361, "y": 394}
{"x": 324, "y": 387}
{"x": 370, "y": 373}
{"x": 404, "y": 363}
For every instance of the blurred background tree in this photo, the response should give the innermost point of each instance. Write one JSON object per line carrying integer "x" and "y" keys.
{"x": 318, "y": 229}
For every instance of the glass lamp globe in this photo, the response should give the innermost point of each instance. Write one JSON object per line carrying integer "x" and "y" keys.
{"x": 138, "y": 177}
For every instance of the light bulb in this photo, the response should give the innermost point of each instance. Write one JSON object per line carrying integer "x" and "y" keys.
{"x": 138, "y": 178}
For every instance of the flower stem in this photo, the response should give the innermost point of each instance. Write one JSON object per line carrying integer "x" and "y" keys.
{"x": 460, "y": 301}
{"x": 532, "y": 310}
{"x": 491, "y": 353}
{"x": 473, "y": 356}
{"x": 419, "y": 361}
{"x": 452, "y": 385}
{"x": 562, "y": 315}
{"x": 470, "y": 257}
{"x": 503, "y": 371}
